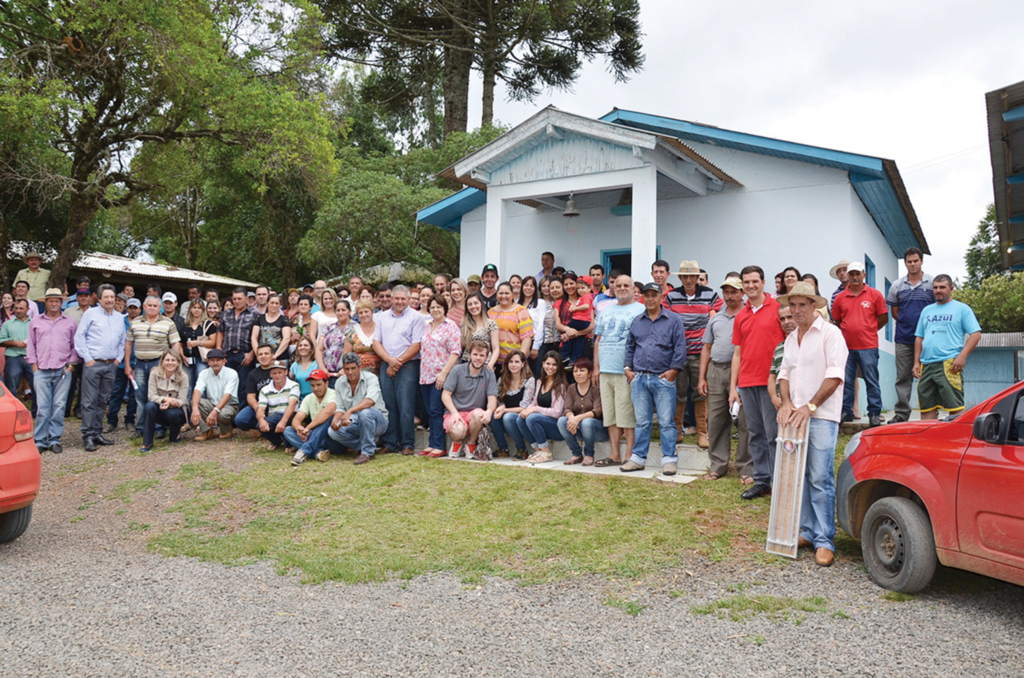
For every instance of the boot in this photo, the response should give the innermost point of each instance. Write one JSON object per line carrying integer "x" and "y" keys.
{"x": 680, "y": 429}
{"x": 700, "y": 410}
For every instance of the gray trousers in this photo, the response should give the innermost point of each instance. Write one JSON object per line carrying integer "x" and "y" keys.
{"x": 904, "y": 378}
{"x": 720, "y": 424}
{"x": 763, "y": 429}
{"x": 97, "y": 382}
{"x": 686, "y": 378}
{"x": 225, "y": 418}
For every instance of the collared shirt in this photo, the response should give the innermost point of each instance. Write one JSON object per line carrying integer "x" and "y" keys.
{"x": 719, "y": 335}
{"x": 214, "y": 386}
{"x": 857, "y": 316}
{"x": 603, "y": 301}
{"x": 656, "y": 345}
{"x": 694, "y": 311}
{"x": 152, "y": 339}
{"x": 808, "y": 362}
{"x": 910, "y": 299}
{"x": 100, "y": 335}
{"x": 312, "y": 405}
{"x": 397, "y": 333}
{"x": 33, "y": 310}
{"x": 540, "y": 276}
{"x": 368, "y": 387}
{"x": 15, "y": 330}
{"x": 37, "y": 282}
{"x": 469, "y": 391}
{"x": 51, "y": 343}
{"x": 274, "y": 400}
{"x": 237, "y": 330}
{"x": 757, "y": 332}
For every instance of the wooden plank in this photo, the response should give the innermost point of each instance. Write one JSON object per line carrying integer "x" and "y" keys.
{"x": 787, "y": 491}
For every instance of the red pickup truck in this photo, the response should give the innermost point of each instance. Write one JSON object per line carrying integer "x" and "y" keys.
{"x": 923, "y": 492}
{"x": 20, "y": 467}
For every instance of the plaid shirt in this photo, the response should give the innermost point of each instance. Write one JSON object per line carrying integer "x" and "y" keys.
{"x": 237, "y": 331}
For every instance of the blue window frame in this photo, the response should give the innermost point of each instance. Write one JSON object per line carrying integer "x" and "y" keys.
{"x": 869, "y": 271}
{"x": 888, "y": 325}
{"x": 606, "y": 257}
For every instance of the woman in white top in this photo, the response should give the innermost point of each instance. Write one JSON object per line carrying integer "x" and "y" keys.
{"x": 537, "y": 308}
{"x": 327, "y": 315}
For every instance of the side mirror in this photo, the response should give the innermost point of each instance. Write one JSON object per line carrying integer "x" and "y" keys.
{"x": 986, "y": 427}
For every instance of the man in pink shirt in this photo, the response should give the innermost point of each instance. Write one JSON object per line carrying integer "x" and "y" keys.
{"x": 813, "y": 369}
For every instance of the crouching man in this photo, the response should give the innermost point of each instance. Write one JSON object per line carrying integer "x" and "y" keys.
{"x": 276, "y": 404}
{"x": 360, "y": 417}
{"x": 308, "y": 440}
{"x": 813, "y": 369}
{"x": 470, "y": 397}
{"x": 215, "y": 399}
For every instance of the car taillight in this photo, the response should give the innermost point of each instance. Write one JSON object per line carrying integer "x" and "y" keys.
{"x": 22, "y": 426}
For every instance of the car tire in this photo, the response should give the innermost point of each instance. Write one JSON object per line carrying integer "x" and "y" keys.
{"x": 898, "y": 545}
{"x": 14, "y": 523}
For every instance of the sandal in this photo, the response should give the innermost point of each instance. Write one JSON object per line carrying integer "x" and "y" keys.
{"x": 573, "y": 460}
{"x": 540, "y": 457}
{"x": 711, "y": 476}
{"x": 747, "y": 480}
{"x": 608, "y": 461}
{"x": 588, "y": 461}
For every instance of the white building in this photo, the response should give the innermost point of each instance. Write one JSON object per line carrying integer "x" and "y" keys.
{"x": 649, "y": 187}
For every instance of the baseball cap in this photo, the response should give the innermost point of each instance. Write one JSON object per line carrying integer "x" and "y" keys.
{"x": 122, "y": 296}
{"x": 587, "y": 279}
{"x": 490, "y": 268}
{"x": 135, "y": 302}
{"x": 250, "y": 294}
{"x": 170, "y": 296}
{"x": 855, "y": 266}
{"x": 317, "y": 374}
{"x": 473, "y": 279}
{"x": 277, "y": 364}
{"x": 652, "y": 287}
{"x": 83, "y": 289}
{"x": 733, "y": 282}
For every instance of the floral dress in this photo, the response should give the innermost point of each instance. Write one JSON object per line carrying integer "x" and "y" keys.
{"x": 363, "y": 345}
{"x": 435, "y": 349}
{"x": 334, "y": 347}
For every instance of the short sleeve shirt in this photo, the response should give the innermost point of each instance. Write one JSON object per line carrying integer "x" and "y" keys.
{"x": 942, "y": 328}
{"x": 910, "y": 300}
{"x": 613, "y": 324}
{"x": 469, "y": 392}
{"x": 757, "y": 333}
{"x": 514, "y": 327}
{"x": 152, "y": 339}
{"x": 857, "y": 316}
{"x": 275, "y": 401}
{"x": 312, "y": 407}
{"x": 719, "y": 335}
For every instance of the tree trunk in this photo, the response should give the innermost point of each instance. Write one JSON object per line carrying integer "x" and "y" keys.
{"x": 82, "y": 209}
{"x": 5, "y": 249}
{"x": 457, "y": 66}
{"x": 490, "y": 69}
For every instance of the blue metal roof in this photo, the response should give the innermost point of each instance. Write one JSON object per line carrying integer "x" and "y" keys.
{"x": 447, "y": 213}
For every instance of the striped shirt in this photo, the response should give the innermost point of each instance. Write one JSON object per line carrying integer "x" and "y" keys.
{"x": 910, "y": 299}
{"x": 694, "y": 312}
{"x": 274, "y": 401}
{"x": 152, "y": 339}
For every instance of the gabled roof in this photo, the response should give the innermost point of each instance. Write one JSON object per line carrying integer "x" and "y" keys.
{"x": 877, "y": 181}
{"x": 1006, "y": 146}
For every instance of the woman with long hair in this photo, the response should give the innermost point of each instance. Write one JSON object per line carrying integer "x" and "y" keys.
{"x": 515, "y": 394}
{"x": 440, "y": 349}
{"x": 199, "y": 333}
{"x": 516, "y": 282}
{"x": 575, "y": 319}
{"x": 515, "y": 326}
{"x": 530, "y": 298}
{"x": 582, "y": 418}
{"x": 6, "y": 307}
{"x": 213, "y": 312}
{"x": 548, "y": 405}
{"x": 303, "y": 364}
{"x": 790, "y": 277}
{"x": 328, "y": 313}
{"x": 545, "y": 337}
{"x": 458, "y": 292}
{"x": 426, "y": 294}
{"x": 303, "y": 324}
{"x": 476, "y": 326}
{"x": 167, "y": 399}
{"x": 273, "y": 329}
{"x": 359, "y": 338}
{"x": 330, "y": 346}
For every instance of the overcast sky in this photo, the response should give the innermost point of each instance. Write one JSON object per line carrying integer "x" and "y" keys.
{"x": 899, "y": 79}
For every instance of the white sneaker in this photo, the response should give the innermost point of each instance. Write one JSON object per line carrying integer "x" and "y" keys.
{"x": 323, "y": 455}
{"x": 298, "y": 458}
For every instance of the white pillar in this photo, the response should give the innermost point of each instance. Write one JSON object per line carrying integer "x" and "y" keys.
{"x": 495, "y": 227}
{"x": 644, "y": 239}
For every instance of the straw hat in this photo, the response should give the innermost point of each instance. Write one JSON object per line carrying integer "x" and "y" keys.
{"x": 688, "y": 267}
{"x": 843, "y": 263}
{"x": 804, "y": 289}
{"x": 32, "y": 255}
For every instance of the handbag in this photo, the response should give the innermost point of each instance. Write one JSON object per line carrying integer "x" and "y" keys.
{"x": 202, "y": 350}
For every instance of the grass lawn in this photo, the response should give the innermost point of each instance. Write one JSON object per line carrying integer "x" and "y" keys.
{"x": 405, "y": 516}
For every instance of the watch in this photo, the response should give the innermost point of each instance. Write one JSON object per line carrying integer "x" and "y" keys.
{"x": 812, "y": 407}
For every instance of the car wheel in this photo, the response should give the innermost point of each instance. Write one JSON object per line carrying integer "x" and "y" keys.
{"x": 898, "y": 545}
{"x": 14, "y": 523}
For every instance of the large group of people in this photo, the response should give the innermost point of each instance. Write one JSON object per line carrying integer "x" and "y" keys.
{"x": 501, "y": 368}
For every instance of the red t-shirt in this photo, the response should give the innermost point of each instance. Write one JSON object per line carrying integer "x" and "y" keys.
{"x": 757, "y": 334}
{"x": 585, "y": 315}
{"x": 857, "y": 316}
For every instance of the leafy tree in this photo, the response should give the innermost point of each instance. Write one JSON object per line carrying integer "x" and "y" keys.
{"x": 984, "y": 257}
{"x": 101, "y": 81}
{"x": 998, "y": 302}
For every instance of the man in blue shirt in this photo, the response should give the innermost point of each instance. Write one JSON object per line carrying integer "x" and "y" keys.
{"x": 907, "y": 298}
{"x": 940, "y": 351}
{"x": 655, "y": 352}
{"x": 99, "y": 342}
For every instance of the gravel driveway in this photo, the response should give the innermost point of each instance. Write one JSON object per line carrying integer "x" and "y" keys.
{"x": 83, "y": 597}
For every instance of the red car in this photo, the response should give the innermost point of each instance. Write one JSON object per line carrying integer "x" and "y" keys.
{"x": 952, "y": 492}
{"x": 20, "y": 467}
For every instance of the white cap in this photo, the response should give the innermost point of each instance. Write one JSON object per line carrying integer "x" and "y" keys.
{"x": 169, "y": 296}
{"x": 855, "y": 266}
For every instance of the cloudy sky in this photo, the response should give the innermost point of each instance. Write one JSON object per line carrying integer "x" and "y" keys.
{"x": 899, "y": 79}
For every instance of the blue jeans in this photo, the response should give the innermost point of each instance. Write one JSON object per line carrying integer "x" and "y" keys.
{"x": 123, "y": 391}
{"x": 172, "y": 417}
{"x": 246, "y": 419}
{"x": 51, "y": 392}
{"x": 142, "y": 370}
{"x": 15, "y": 368}
{"x": 867, "y": 358}
{"x": 591, "y": 431}
{"x": 540, "y": 428}
{"x": 235, "y": 363}
{"x": 573, "y": 349}
{"x": 649, "y": 392}
{"x": 435, "y": 415}
{"x": 313, "y": 443}
{"x": 510, "y": 424}
{"x": 362, "y": 432}
{"x": 762, "y": 429}
{"x": 400, "y": 400}
{"x": 818, "y": 508}
{"x": 273, "y": 436}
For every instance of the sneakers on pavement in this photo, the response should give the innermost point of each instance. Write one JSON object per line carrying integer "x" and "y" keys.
{"x": 631, "y": 466}
{"x": 669, "y": 469}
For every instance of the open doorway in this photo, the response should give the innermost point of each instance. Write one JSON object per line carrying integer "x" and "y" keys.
{"x": 621, "y": 260}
